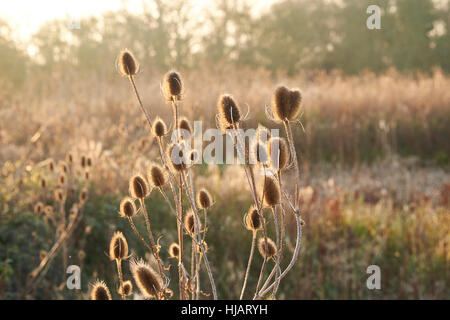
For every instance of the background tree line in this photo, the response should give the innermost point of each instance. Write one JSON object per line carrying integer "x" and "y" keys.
{"x": 292, "y": 35}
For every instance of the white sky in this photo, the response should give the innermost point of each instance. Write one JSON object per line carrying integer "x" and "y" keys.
{"x": 25, "y": 16}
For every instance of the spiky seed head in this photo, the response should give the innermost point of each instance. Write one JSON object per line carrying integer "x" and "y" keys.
{"x": 63, "y": 167}
{"x": 126, "y": 289}
{"x": 157, "y": 176}
{"x": 59, "y": 195}
{"x": 159, "y": 128}
{"x": 127, "y": 207}
{"x": 89, "y": 162}
{"x": 278, "y": 150}
{"x": 51, "y": 165}
{"x": 147, "y": 280}
{"x": 86, "y": 175}
{"x": 38, "y": 207}
{"x": 204, "y": 200}
{"x": 100, "y": 291}
{"x": 69, "y": 158}
{"x": 83, "y": 161}
{"x": 83, "y": 197}
{"x": 253, "y": 220}
{"x": 118, "y": 247}
{"x": 193, "y": 156}
{"x": 138, "y": 186}
{"x": 62, "y": 179}
{"x": 185, "y": 128}
{"x": 286, "y": 103}
{"x": 267, "y": 250}
{"x": 174, "y": 250}
{"x": 177, "y": 157}
{"x": 42, "y": 183}
{"x": 259, "y": 154}
{"x": 229, "y": 111}
{"x": 272, "y": 194}
{"x": 189, "y": 222}
{"x": 172, "y": 85}
{"x": 127, "y": 64}
{"x": 205, "y": 246}
{"x": 48, "y": 211}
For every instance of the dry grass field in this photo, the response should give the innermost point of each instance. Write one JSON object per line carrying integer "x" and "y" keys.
{"x": 374, "y": 188}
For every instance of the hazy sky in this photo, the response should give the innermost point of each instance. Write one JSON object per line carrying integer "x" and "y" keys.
{"x": 25, "y": 16}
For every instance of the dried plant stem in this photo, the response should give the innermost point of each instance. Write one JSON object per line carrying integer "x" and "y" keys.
{"x": 180, "y": 240}
{"x": 119, "y": 272}
{"x": 202, "y": 247}
{"x": 152, "y": 239}
{"x": 147, "y": 115}
{"x": 290, "y": 139}
{"x": 277, "y": 232}
{"x": 41, "y": 270}
{"x": 293, "y": 260}
{"x": 251, "y": 181}
{"x": 139, "y": 235}
{"x": 250, "y": 258}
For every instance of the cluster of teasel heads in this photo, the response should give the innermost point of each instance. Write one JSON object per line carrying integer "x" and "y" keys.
{"x": 173, "y": 178}
{"x": 62, "y": 185}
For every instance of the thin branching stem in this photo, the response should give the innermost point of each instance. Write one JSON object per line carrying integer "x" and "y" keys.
{"x": 250, "y": 258}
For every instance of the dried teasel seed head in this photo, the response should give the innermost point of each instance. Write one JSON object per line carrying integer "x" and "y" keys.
{"x": 147, "y": 280}
{"x": 204, "y": 200}
{"x": 205, "y": 246}
{"x": 286, "y": 103}
{"x": 159, "y": 128}
{"x": 253, "y": 220}
{"x": 118, "y": 247}
{"x": 69, "y": 158}
{"x": 63, "y": 167}
{"x": 86, "y": 175}
{"x": 185, "y": 128}
{"x": 267, "y": 250}
{"x": 89, "y": 162}
{"x": 138, "y": 187}
{"x": 272, "y": 194}
{"x": 83, "y": 197}
{"x": 193, "y": 156}
{"x": 278, "y": 150}
{"x": 127, "y": 207}
{"x": 59, "y": 195}
{"x": 177, "y": 157}
{"x": 42, "y": 183}
{"x": 62, "y": 179}
{"x": 48, "y": 211}
{"x": 126, "y": 289}
{"x": 174, "y": 250}
{"x": 83, "y": 161}
{"x": 189, "y": 222}
{"x": 100, "y": 291}
{"x": 157, "y": 176}
{"x": 127, "y": 64}
{"x": 38, "y": 207}
{"x": 51, "y": 165}
{"x": 229, "y": 111}
{"x": 172, "y": 85}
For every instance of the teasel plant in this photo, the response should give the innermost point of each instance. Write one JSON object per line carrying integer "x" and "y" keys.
{"x": 178, "y": 174}
{"x": 62, "y": 220}
{"x": 285, "y": 108}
